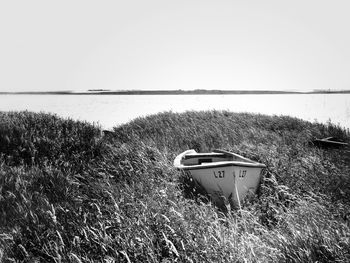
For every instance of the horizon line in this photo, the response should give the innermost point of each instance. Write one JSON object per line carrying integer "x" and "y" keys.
{"x": 171, "y": 92}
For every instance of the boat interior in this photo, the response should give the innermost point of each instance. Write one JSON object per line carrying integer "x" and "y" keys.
{"x": 213, "y": 157}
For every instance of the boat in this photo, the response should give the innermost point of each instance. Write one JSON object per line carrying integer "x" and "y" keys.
{"x": 224, "y": 175}
{"x": 330, "y": 142}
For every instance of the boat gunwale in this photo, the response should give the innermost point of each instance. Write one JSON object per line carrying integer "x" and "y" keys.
{"x": 221, "y": 164}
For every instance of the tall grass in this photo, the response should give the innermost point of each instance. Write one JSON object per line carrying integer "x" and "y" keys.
{"x": 68, "y": 194}
{"x": 30, "y": 138}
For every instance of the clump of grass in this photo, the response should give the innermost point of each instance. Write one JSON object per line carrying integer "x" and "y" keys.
{"x": 38, "y": 138}
{"x": 69, "y": 195}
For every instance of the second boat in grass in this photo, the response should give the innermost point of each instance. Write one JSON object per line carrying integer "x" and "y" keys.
{"x": 224, "y": 175}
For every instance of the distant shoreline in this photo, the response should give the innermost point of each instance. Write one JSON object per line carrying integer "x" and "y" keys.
{"x": 173, "y": 92}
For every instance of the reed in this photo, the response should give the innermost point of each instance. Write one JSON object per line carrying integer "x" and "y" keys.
{"x": 69, "y": 194}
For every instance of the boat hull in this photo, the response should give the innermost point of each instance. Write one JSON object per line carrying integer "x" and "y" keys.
{"x": 231, "y": 183}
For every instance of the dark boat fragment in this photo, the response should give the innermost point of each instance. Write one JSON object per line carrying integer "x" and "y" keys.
{"x": 329, "y": 142}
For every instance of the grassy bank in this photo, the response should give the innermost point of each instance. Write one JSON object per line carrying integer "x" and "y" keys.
{"x": 69, "y": 194}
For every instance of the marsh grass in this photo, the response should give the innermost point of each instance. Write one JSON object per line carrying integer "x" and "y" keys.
{"x": 68, "y": 194}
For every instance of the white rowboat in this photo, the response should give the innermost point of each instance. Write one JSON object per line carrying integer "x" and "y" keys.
{"x": 224, "y": 175}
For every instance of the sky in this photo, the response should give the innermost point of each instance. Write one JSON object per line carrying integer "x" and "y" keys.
{"x": 156, "y": 45}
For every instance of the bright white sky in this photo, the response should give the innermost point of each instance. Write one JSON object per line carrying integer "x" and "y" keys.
{"x": 192, "y": 44}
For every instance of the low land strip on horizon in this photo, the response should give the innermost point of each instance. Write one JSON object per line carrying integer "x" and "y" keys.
{"x": 173, "y": 92}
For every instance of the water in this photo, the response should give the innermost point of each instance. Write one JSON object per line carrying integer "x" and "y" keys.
{"x": 113, "y": 110}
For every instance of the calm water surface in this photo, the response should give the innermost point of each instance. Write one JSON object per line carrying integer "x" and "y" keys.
{"x": 113, "y": 110}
